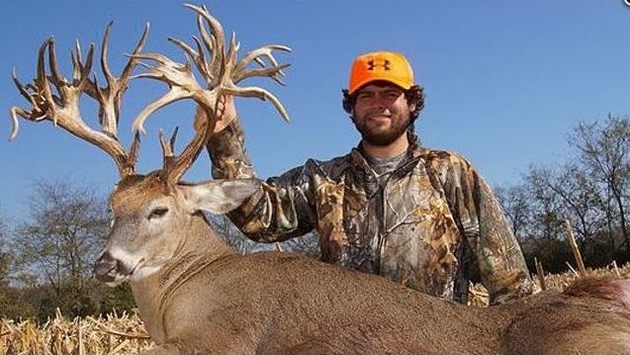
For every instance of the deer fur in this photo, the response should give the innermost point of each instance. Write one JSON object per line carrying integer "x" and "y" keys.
{"x": 195, "y": 294}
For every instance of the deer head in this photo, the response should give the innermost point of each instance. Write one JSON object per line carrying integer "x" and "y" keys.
{"x": 149, "y": 210}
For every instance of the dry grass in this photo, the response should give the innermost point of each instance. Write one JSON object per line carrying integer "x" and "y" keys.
{"x": 478, "y": 296}
{"x": 111, "y": 335}
{"x": 126, "y": 334}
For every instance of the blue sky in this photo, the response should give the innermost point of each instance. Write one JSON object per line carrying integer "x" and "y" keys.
{"x": 505, "y": 80}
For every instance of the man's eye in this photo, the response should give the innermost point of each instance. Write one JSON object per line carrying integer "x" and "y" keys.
{"x": 158, "y": 212}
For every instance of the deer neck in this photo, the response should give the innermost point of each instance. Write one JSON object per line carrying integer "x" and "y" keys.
{"x": 199, "y": 247}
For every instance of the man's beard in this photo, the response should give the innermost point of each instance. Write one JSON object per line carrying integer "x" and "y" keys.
{"x": 382, "y": 138}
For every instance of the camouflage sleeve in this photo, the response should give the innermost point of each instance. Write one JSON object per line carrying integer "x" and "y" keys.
{"x": 280, "y": 210}
{"x": 501, "y": 263}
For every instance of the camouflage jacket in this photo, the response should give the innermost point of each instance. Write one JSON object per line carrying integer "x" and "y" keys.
{"x": 432, "y": 226}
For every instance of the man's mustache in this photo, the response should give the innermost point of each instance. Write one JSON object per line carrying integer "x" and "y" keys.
{"x": 385, "y": 113}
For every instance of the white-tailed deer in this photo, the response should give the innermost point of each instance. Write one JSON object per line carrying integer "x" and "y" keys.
{"x": 195, "y": 294}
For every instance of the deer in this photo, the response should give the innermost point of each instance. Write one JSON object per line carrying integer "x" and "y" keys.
{"x": 195, "y": 294}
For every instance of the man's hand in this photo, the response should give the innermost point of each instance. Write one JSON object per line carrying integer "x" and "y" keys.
{"x": 225, "y": 114}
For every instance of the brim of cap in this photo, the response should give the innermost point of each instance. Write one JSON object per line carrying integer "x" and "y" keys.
{"x": 405, "y": 85}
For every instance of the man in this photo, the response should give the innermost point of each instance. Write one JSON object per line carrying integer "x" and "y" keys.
{"x": 420, "y": 217}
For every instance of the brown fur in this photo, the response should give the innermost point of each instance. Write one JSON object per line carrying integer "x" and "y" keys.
{"x": 607, "y": 288}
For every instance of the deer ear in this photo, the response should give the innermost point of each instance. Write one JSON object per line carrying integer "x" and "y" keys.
{"x": 220, "y": 196}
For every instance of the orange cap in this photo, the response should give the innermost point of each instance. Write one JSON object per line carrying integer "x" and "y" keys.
{"x": 382, "y": 65}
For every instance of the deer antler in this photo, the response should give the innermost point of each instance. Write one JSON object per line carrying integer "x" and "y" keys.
{"x": 63, "y": 109}
{"x": 221, "y": 74}
{"x": 219, "y": 69}
{"x": 110, "y": 96}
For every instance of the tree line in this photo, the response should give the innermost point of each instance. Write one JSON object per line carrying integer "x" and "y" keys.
{"x": 46, "y": 260}
{"x": 591, "y": 189}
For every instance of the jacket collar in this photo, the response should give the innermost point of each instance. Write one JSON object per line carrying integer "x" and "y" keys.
{"x": 415, "y": 150}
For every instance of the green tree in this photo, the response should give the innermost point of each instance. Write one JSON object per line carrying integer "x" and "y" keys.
{"x": 118, "y": 299}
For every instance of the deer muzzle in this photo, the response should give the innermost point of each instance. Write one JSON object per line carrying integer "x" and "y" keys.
{"x": 110, "y": 270}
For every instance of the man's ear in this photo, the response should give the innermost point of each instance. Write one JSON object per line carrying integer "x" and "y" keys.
{"x": 351, "y": 114}
{"x": 219, "y": 196}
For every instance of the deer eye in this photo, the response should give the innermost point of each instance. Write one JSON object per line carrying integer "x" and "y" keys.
{"x": 158, "y": 212}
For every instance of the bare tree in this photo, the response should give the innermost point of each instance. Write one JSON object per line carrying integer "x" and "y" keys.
{"x": 604, "y": 149}
{"x": 232, "y": 235}
{"x": 5, "y": 256}
{"x": 307, "y": 244}
{"x": 578, "y": 195}
{"x": 13, "y": 304}
{"x": 547, "y": 213}
{"x": 517, "y": 205}
{"x": 62, "y": 238}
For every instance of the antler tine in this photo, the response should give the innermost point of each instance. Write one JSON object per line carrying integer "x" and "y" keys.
{"x": 186, "y": 48}
{"x": 274, "y": 76}
{"x": 226, "y": 77}
{"x": 126, "y": 73}
{"x": 173, "y": 138}
{"x": 215, "y": 25}
{"x": 57, "y": 77}
{"x": 208, "y": 39}
{"x": 81, "y": 72}
{"x": 168, "y": 152}
{"x": 241, "y": 72}
{"x": 262, "y": 94}
{"x": 15, "y": 112}
{"x": 19, "y": 85}
{"x": 264, "y": 51}
{"x": 174, "y": 94}
{"x": 167, "y": 146}
{"x": 109, "y": 78}
{"x": 41, "y": 82}
{"x": 202, "y": 62}
{"x": 132, "y": 156}
{"x": 272, "y": 73}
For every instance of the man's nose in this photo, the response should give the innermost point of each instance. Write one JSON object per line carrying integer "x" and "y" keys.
{"x": 380, "y": 101}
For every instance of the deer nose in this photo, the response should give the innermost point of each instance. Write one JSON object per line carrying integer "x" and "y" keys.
{"x": 106, "y": 267}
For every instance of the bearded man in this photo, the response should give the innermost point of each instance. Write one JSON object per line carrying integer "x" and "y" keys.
{"x": 417, "y": 216}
